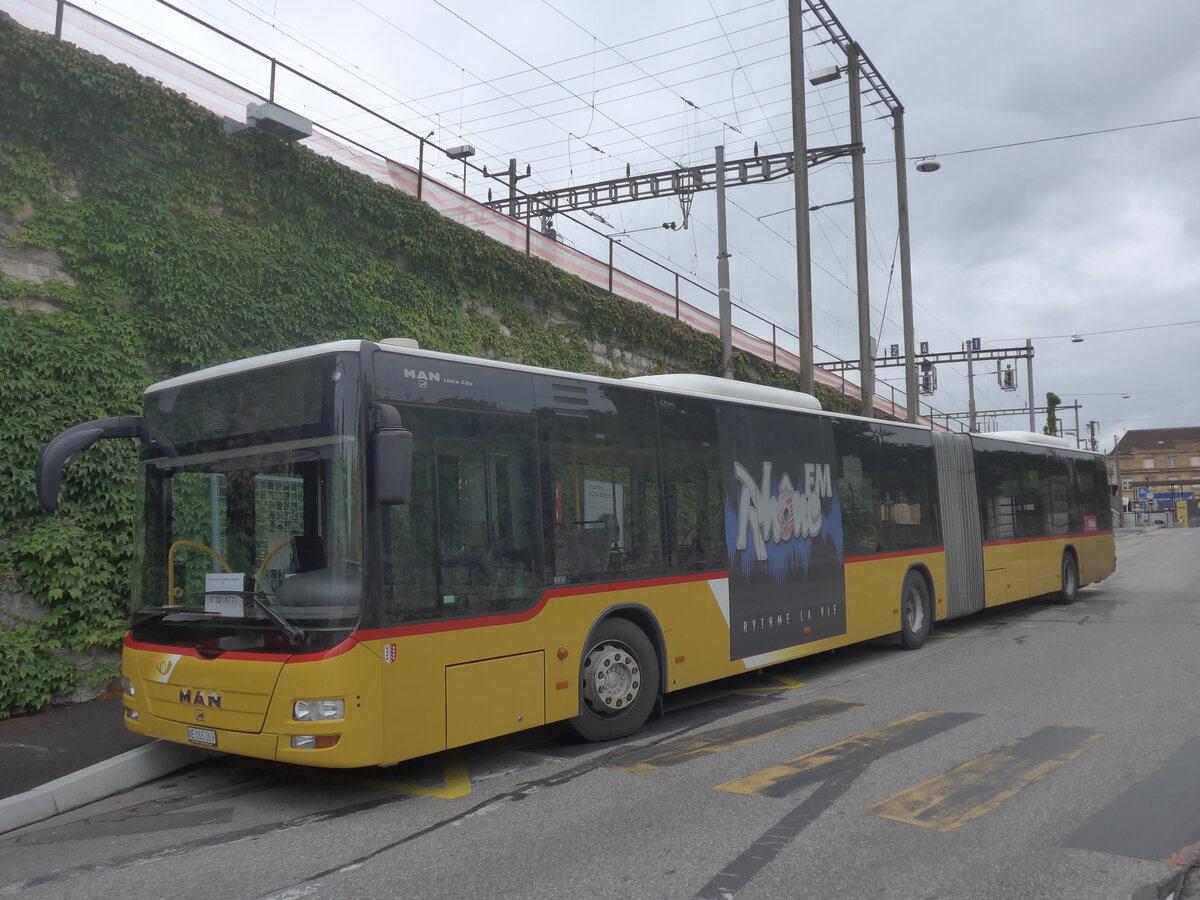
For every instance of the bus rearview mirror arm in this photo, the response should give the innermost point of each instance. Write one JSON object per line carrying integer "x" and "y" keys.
{"x": 65, "y": 446}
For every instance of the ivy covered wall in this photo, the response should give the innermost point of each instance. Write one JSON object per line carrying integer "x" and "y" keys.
{"x": 139, "y": 242}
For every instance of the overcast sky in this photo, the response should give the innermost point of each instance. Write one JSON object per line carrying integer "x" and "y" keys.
{"x": 1093, "y": 235}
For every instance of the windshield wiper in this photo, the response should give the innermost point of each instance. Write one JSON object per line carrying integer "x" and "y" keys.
{"x": 294, "y": 632}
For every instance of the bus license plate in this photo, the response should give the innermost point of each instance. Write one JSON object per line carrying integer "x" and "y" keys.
{"x": 205, "y": 736}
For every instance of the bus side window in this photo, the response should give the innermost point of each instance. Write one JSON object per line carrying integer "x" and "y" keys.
{"x": 601, "y": 487}
{"x": 907, "y": 490}
{"x": 410, "y": 544}
{"x": 858, "y": 486}
{"x": 1054, "y": 484}
{"x": 467, "y": 543}
{"x": 695, "y": 518}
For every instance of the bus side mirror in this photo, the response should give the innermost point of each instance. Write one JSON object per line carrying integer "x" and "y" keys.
{"x": 393, "y": 465}
{"x": 64, "y": 447}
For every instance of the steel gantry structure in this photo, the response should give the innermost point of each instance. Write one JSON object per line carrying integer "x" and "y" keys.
{"x": 672, "y": 182}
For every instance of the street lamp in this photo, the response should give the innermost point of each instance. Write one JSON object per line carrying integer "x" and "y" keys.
{"x": 819, "y": 77}
{"x": 461, "y": 152}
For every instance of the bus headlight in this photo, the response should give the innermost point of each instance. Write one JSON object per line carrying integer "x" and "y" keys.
{"x": 318, "y": 710}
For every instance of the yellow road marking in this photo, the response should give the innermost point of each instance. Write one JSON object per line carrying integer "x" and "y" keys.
{"x": 735, "y": 735}
{"x": 776, "y": 781}
{"x": 456, "y": 780}
{"x": 980, "y": 785}
{"x": 785, "y": 684}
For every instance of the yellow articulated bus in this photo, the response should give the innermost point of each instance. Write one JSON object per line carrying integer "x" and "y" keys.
{"x": 359, "y": 553}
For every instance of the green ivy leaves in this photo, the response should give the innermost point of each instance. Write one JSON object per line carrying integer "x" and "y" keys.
{"x": 34, "y": 670}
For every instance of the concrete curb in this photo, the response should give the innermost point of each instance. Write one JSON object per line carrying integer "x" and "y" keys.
{"x": 134, "y": 767}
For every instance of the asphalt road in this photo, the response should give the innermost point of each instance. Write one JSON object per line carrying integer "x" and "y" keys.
{"x": 1033, "y": 751}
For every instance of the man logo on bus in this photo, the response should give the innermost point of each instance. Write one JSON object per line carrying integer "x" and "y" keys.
{"x": 786, "y": 515}
{"x": 422, "y": 376}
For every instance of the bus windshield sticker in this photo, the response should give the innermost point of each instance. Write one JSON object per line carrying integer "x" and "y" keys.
{"x": 783, "y": 525}
{"x": 223, "y": 593}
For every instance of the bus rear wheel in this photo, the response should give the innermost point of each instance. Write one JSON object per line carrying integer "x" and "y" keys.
{"x": 916, "y": 613}
{"x": 1070, "y": 579}
{"x": 618, "y": 682}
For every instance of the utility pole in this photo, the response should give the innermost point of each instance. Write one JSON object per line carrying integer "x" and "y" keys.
{"x": 1117, "y": 477}
{"x": 911, "y": 401}
{"x": 970, "y": 386}
{"x": 513, "y": 178}
{"x": 867, "y": 372}
{"x": 1029, "y": 379}
{"x": 723, "y": 271}
{"x": 800, "y": 176}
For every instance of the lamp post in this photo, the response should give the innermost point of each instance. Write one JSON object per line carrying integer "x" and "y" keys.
{"x": 462, "y": 152}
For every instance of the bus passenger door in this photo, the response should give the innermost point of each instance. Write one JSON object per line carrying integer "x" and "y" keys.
{"x": 463, "y": 554}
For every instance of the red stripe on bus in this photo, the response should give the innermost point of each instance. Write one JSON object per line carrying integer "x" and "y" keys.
{"x": 435, "y": 627}
{"x": 870, "y": 557}
{"x": 1054, "y": 537}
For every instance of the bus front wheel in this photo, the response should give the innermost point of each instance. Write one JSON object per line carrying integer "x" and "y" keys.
{"x": 1070, "y": 579}
{"x": 618, "y": 682}
{"x": 916, "y": 613}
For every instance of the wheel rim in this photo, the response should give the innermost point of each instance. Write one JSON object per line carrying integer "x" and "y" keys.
{"x": 914, "y": 609}
{"x": 612, "y": 678}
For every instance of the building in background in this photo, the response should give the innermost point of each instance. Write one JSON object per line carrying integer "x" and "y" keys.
{"x": 1160, "y": 471}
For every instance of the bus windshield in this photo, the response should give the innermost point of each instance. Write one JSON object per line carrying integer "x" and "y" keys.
{"x": 250, "y": 537}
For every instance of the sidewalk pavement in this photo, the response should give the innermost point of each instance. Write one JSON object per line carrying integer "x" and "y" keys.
{"x": 67, "y": 756}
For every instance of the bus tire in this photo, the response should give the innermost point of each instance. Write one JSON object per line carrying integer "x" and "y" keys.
{"x": 916, "y": 612}
{"x": 1070, "y": 579}
{"x": 618, "y": 682}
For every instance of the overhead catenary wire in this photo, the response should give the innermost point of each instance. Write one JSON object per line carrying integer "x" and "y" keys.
{"x": 671, "y": 88}
{"x": 625, "y": 61}
{"x": 618, "y": 45}
{"x": 1048, "y": 337}
{"x": 1045, "y": 140}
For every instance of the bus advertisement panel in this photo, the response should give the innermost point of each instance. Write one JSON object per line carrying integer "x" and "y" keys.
{"x": 783, "y": 526}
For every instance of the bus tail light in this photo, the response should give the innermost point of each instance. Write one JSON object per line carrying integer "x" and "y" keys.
{"x": 318, "y": 710}
{"x": 314, "y": 741}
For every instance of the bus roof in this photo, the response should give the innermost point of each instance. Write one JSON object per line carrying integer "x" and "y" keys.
{"x": 251, "y": 363}
{"x": 707, "y": 386}
{"x": 712, "y": 386}
{"x": 1028, "y": 437}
